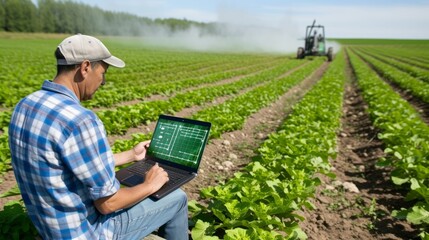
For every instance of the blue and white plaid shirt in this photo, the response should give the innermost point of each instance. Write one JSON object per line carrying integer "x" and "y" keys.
{"x": 62, "y": 162}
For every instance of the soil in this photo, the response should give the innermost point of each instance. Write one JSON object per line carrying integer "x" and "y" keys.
{"x": 339, "y": 214}
{"x": 7, "y": 181}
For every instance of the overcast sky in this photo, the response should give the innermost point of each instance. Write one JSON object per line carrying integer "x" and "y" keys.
{"x": 342, "y": 19}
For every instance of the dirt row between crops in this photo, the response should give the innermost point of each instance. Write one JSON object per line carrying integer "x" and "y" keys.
{"x": 357, "y": 204}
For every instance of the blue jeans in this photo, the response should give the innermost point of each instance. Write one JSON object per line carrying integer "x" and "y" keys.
{"x": 169, "y": 215}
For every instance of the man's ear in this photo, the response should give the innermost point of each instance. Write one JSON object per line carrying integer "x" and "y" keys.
{"x": 82, "y": 71}
{"x": 85, "y": 68}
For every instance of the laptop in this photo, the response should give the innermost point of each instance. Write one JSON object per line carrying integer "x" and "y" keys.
{"x": 177, "y": 146}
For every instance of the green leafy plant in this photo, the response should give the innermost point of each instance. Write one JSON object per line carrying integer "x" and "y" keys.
{"x": 15, "y": 223}
{"x": 370, "y": 211}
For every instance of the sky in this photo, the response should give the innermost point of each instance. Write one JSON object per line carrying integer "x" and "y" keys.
{"x": 402, "y": 19}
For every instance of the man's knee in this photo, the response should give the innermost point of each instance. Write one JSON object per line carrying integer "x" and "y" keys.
{"x": 181, "y": 196}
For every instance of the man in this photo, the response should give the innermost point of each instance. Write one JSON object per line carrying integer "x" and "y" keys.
{"x": 64, "y": 165}
{"x": 315, "y": 42}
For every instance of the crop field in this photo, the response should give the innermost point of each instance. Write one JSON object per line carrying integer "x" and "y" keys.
{"x": 298, "y": 148}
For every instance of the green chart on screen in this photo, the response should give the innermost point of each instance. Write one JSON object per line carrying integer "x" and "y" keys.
{"x": 178, "y": 142}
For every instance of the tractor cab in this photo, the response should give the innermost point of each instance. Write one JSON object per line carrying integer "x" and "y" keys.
{"x": 315, "y": 43}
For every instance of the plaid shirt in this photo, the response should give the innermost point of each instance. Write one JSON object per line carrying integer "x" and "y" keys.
{"x": 62, "y": 162}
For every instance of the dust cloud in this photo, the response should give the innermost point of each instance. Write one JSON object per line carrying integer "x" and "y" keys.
{"x": 234, "y": 31}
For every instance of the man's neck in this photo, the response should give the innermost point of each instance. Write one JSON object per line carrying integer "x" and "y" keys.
{"x": 67, "y": 80}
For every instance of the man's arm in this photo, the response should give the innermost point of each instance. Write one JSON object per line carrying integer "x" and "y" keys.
{"x": 156, "y": 177}
{"x": 138, "y": 152}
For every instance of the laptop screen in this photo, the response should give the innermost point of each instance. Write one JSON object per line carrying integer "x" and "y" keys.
{"x": 179, "y": 140}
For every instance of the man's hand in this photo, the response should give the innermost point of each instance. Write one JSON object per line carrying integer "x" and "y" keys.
{"x": 126, "y": 197}
{"x": 140, "y": 150}
{"x": 156, "y": 177}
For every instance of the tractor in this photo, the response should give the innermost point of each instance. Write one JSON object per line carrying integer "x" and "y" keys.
{"x": 315, "y": 44}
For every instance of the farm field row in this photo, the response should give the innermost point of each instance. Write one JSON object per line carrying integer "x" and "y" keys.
{"x": 261, "y": 196}
{"x": 406, "y": 137}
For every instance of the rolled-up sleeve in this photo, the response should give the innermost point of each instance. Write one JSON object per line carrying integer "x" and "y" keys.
{"x": 89, "y": 157}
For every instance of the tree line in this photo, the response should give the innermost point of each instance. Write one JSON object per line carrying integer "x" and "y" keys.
{"x": 65, "y": 16}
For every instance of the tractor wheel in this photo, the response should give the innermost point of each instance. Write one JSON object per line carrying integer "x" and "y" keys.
{"x": 300, "y": 53}
{"x": 330, "y": 54}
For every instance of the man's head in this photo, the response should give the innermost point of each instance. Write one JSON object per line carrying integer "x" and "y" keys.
{"x": 84, "y": 60}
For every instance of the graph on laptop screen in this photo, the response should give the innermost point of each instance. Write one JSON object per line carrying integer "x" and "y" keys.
{"x": 179, "y": 142}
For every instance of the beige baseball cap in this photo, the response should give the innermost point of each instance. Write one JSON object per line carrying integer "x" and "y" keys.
{"x": 79, "y": 48}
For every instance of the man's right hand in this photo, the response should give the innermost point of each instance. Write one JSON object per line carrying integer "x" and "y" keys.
{"x": 126, "y": 197}
{"x": 156, "y": 177}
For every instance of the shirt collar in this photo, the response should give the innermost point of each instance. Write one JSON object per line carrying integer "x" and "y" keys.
{"x": 55, "y": 87}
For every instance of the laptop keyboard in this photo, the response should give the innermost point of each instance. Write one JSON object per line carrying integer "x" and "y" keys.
{"x": 140, "y": 168}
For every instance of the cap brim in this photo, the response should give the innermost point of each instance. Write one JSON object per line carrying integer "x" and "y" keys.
{"x": 115, "y": 62}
